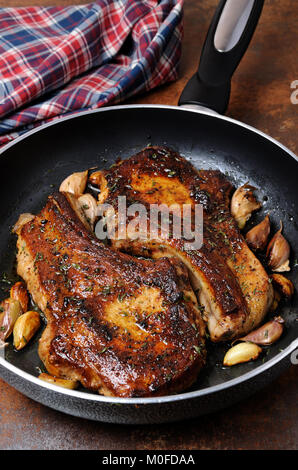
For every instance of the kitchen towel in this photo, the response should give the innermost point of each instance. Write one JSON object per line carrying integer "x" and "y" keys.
{"x": 59, "y": 60}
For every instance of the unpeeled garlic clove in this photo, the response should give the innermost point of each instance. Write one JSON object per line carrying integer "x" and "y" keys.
{"x": 75, "y": 183}
{"x": 19, "y": 292}
{"x": 257, "y": 237}
{"x": 25, "y": 328}
{"x": 283, "y": 285}
{"x": 278, "y": 252}
{"x": 89, "y": 206}
{"x": 242, "y": 352}
{"x": 12, "y": 310}
{"x": 98, "y": 179}
{"x": 243, "y": 203}
{"x": 266, "y": 334}
{"x": 65, "y": 383}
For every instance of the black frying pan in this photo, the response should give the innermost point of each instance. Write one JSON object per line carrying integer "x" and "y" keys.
{"x": 32, "y": 164}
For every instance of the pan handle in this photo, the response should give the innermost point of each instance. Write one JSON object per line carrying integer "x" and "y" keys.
{"x": 229, "y": 35}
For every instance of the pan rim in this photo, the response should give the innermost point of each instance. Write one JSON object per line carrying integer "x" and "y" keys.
{"x": 168, "y": 398}
{"x": 210, "y": 113}
{"x": 152, "y": 400}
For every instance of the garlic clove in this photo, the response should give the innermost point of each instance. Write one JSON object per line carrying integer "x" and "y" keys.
{"x": 283, "y": 285}
{"x": 12, "y": 310}
{"x": 278, "y": 252}
{"x": 242, "y": 352}
{"x": 25, "y": 328}
{"x": 20, "y": 293}
{"x": 89, "y": 206}
{"x": 285, "y": 267}
{"x": 267, "y": 334}
{"x": 257, "y": 237}
{"x": 75, "y": 183}
{"x": 243, "y": 203}
{"x": 98, "y": 179}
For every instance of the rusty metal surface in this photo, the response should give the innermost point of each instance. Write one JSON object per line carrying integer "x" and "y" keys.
{"x": 269, "y": 420}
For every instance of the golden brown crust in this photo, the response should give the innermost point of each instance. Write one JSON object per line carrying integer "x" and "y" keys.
{"x": 232, "y": 284}
{"x": 122, "y": 326}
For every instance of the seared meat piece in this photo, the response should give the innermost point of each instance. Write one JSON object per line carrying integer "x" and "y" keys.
{"x": 231, "y": 283}
{"x": 122, "y": 326}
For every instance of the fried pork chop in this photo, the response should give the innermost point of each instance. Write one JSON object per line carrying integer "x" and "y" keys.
{"x": 232, "y": 285}
{"x": 120, "y": 325}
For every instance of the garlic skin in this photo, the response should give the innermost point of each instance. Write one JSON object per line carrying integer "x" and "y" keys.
{"x": 98, "y": 179}
{"x": 242, "y": 352}
{"x": 20, "y": 293}
{"x": 257, "y": 237}
{"x": 12, "y": 310}
{"x": 283, "y": 285}
{"x": 243, "y": 203}
{"x": 267, "y": 334}
{"x": 278, "y": 252}
{"x": 75, "y": 183}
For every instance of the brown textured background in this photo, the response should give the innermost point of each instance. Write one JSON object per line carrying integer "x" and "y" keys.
{"x": 269, "y": 420}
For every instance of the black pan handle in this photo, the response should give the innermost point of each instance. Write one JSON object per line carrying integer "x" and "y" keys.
{"x": 228, "y": 37}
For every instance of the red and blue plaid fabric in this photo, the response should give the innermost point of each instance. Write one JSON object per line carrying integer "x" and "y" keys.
{"x": 59, "y": 60}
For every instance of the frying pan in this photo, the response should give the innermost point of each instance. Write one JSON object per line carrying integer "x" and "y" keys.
{"x": 33, "y": 163}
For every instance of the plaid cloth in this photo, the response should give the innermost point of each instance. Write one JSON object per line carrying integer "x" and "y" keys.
{"x": 59, "y": 60}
